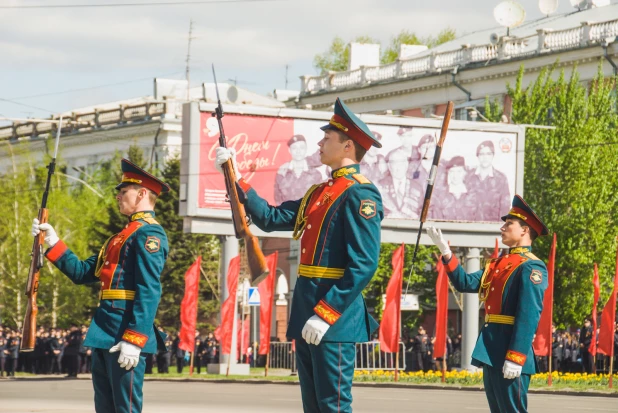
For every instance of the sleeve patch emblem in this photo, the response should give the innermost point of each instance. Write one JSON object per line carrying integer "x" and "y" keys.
{"x": 536, "y": 277}
{"x": 153, "y": 244}
{"x": 367, "y": 209}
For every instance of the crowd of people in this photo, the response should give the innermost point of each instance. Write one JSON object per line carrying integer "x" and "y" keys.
{"x": 56, "y": 351}
{"x": 61, "y": 351}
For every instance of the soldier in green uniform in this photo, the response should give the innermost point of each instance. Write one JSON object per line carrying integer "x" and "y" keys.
{"x": 128, "y": 267}
{"x": 512, "y": 287}
{"x": 339, "y": 221}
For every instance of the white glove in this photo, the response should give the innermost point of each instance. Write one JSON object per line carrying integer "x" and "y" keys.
{"x": 436, "y": 236}
{"x": 222, "y": 155}
{"x": 511, "y": 370}
{"x": 51, "y": 238}
{"x": 314, "y": 330}
{"x": 129, "y": 354}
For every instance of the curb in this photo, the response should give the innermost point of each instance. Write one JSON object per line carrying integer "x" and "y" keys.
{"x": 413, "y": 386}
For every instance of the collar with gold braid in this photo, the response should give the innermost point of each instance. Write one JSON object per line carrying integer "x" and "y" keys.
{"x": 301, "y": 217}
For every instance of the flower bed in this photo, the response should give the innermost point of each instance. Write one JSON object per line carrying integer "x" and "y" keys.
{"x": 467, "y": 378}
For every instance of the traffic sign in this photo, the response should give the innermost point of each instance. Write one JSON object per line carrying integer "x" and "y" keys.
{"x": 254, "y": 296}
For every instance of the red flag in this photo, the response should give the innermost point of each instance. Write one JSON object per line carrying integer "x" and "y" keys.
{"x": 595, "y": 282}
{"x": 188, "y": 307}
{"x": 496, "y": 253}
{"x": 223, "y": 333}
{"x": 389, "y": 327}
{"x": 543, "y": 339}
{"x": 441, "y": 310}
{"x": 267, "y": 295}
{"x": 243, "y": 341}
{"x": 608, "y": 319}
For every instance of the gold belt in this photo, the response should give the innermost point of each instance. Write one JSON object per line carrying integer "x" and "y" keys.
{"x": 312, "y": 271}
{"x": 499, "y": 319}
{"x": 117, "y": 295}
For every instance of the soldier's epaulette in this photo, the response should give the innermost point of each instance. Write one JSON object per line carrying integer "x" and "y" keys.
{"x": 361, "y": 179}
{"x": 532, "y": 256}
{"x": 152, "y": 221}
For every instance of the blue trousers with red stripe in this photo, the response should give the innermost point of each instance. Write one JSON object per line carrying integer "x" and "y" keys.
{"x": 325, "y": 372}
{"x": 505, "y": 396}
{"x": 116, "y": 390}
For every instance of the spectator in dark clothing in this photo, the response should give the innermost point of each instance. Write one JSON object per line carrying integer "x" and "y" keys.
{"x": 3, "y": 352}
{"x": 71, "y": 351}
{"x": 211, "y": 347}
{"x": 421, "y": 351}
{"x": 55, "y": 353}
{"x": 585, "y": 340}
{"x": 197, "y": 358}
{"x": 12, "y": 353}
{"x": 557, "y": 349}
{"x": 163, "y": 357}
{"x": 179, "y": 354}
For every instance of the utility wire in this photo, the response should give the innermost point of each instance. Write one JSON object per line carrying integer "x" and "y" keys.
{"x": 91, "y": 87}
{"x": 109, "y": 5}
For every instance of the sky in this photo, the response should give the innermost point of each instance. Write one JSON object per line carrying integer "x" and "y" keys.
{"x": 58, "y": 59}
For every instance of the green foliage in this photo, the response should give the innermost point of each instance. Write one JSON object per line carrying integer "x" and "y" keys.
{"x": 337, "y": 57}
{"x": 184, "y": 250}
{"x": 59, "y": 301}
{"x": 391, "y": 53}
{"x": 422, "y": 281}
{"x": 570, "y": 180}
{"x": 85, "y": 214}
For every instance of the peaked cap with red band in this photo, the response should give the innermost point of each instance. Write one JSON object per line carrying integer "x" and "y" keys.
{"x": 133, "y": 174}
{"x": 523, "y": 211}
{"x": 344, "y": 120}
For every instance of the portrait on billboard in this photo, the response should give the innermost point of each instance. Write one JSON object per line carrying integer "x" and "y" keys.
{"x": 278, "y": 156}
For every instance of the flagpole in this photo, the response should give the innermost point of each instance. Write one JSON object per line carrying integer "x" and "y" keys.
{"x": 267, "y": 362}
{"x": 191, "y": 366}
{"x": 234, "y": 334}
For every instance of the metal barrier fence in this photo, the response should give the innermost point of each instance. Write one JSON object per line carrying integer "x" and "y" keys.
{"x": 368, "y": 357}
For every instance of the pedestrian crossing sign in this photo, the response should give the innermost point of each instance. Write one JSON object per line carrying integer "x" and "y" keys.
{"x": 254, "y": 296}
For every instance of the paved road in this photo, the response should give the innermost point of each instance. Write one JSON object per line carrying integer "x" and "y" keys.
{"x": 69, "y": 396}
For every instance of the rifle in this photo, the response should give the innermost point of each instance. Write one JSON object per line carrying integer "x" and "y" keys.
{"x": 255, "y": 256}
{"x": 36, "y": 263}
{"x": 432, "y": 177}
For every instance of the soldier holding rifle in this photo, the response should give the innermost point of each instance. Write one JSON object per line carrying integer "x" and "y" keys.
{"x": 512, "y": 287}
{"x": 128, "y": 267}
{"x": 339, "y": 222}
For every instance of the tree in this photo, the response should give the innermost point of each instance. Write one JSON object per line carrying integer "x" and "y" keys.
{"x": 422, "y": 281}
{"x": 391, "y": 53}
{"x": 337, "y": 57}
{"x": 184, "y": 250}
{"x": 569, "y": 179}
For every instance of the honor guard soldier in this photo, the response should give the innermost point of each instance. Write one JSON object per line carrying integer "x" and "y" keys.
{"x": 339, "y": 222}
{"x": 512, "y": 287}
{"x": 129, "y": 266}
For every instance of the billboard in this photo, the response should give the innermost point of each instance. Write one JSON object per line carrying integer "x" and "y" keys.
{"x": 277, "y": 153}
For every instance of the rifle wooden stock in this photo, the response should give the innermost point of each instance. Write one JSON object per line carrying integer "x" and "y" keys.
{"x": 29, "y": 325}
{"x": 255, "y": 256}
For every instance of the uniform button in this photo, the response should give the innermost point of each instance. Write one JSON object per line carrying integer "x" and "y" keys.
{"x": 309, "y": 226}
{"x": 330, "y": 184}
{"x": 489, "y": 307}
{"x": 492, "y": 288}
{"x": 507, "y": 255}
{"x": 497, "y": 271}
{"x": 486, "y": 325}
{"x": 318, "y": 203}
{"x": 303, "y": 250}
{"x": 106, "y": 262}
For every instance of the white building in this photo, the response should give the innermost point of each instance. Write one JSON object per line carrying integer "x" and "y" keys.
{"x": 96, "y": 133}
{"x": 471, "y": 67}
